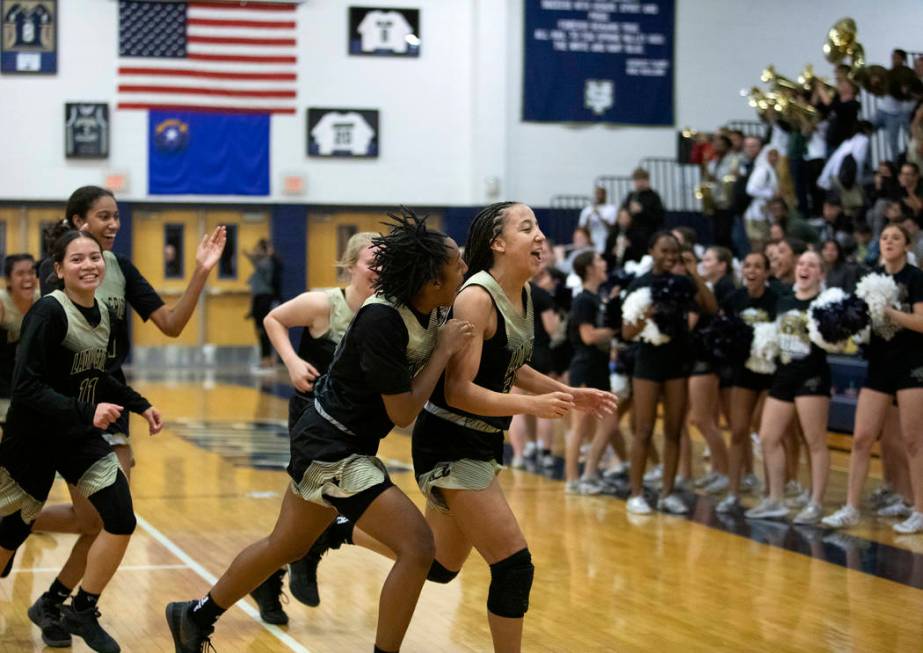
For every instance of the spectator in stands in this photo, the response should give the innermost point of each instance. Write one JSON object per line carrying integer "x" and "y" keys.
{"x": 915, "y": 143}
{"x": 598, "y": 219}
{"x": 863, "y": 237}
{"x": 837, "y": 225}
{"x": 912, "y": 190}
{"x": 762, "y": 186}
{"x": 737, "y": 141}
{"x": 842, "y": 110}
{"x": 841, "y": 272}
{"x": 791, "y": 222}
{"x": 810, "y": 197}
{"x": 843, "y": 171}
{"x": 883, "y": 190}
{"x": 894, "y": 108}
{"x": 722, "y": 171}
{"x": 581, "y": 241}
{"x": 916, "y": 239}
{"x": 776, "y": 231}
{"x": 688, "y": 240}
{"x": 645, "y": 207}
{"x": 627, "y": 241}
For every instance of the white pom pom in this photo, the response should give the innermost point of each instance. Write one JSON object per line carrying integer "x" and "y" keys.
{"x": 879, "y": 291}
{"x": 826, "y": 298}
{"x": 633, "y": 310}
{"x": 765, "y": 348}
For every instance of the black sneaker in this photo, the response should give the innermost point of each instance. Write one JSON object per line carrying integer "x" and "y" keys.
{"x": 303, "y": 579}
{"x": 188, "y": 637}
{"x": 46, "y": 614}
{"x": 267, "y": 597}
{"x": 85, "y": 625}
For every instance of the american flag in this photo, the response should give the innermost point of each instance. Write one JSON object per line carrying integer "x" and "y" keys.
{"x": 207, "y": 56}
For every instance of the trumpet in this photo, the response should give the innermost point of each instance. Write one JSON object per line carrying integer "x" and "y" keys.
{"x": 809, "y": 81}
{"x": 778, "y": 82}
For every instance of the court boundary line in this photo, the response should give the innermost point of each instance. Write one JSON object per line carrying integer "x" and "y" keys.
{"x": 56, "y": 570}
{"x": 204, "y": 574}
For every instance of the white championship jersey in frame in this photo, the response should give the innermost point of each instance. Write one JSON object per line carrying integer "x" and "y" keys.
{"x": 347, "y": 133}
{"x": 384, "y": 30}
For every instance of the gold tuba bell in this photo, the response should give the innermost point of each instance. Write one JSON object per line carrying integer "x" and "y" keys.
{"x": 842, "y": 44}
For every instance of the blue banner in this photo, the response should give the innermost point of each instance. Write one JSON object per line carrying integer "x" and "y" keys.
{"x": 599, "y": 61}
{"x": 203, "y": 153}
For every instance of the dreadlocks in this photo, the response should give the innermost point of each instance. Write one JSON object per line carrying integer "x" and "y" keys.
{"x": 485, "y": 227}
{"x": 408, "y": 257}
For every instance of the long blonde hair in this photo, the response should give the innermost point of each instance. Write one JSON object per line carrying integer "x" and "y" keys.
{"x": 354, "y": 246}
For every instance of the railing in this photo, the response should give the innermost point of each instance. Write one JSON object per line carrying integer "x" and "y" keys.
{"x": 674, "y": 181}
{"x": 571, "y": 202}
{"x": 748, "y": 127}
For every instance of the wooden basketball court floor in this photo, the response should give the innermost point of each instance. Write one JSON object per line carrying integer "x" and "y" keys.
{"x": 605, "y": 580}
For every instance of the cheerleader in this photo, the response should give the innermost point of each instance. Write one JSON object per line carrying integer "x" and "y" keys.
{"x": 755, "y": 303}
{"x": 60, "y": 404}
{"x": 663, "y": 370}
{"x": 324, "y": 316}
{"x": 801, "y": 388}
{"x": 15, "y": 301}
{"x": 383, "y": 371}
{"x": 895, "y": 370}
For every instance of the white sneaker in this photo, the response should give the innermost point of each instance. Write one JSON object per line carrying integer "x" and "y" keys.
{"x": 717, "y": 486}
{"x": 519, "y": 462}
{"x": 673, "y": 505}
{"x": 572, "y": 487}
{"x": 793, "y": 489}
{"x": 730, "y": 503}
{"x": 590, "y": 486}
{"x": 751, "y": 484}
{"x": 756, "y": 445}
{"x": 896, "y": 509}
{"x": 680, "y": 484}
{"x": 811, "y": 514}
{"x": 530, "y": 449}
{"x": 800, "y": 501}
{"x": 881, "y": 495}
{"x": 617, "y": 471}
{"x": 704, "y": 480}
{"x": 845, "y": 517}
{"x": 654, "y": 475}
{"x": 548, "y": 461}
{"x": 911, "y": 525}
{"x": 767, "y": 509}
{"x": 638, "y": 506}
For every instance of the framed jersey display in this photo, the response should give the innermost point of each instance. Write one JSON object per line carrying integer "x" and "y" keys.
{"x": 29, "y": 36}
{"x": 86, "y": 130}
{"x": 384, "y": 31}
{"x": 348, "y": 133}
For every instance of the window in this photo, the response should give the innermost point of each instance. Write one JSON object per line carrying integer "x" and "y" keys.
{"x": 344, "y": 233}
{"x": 173, "y": 251}
{"x": 227, "y": 266}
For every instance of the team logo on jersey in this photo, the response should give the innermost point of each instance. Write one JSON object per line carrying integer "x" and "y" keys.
{"x": 29, "y": 38}
{"x": 89, "y": 359}
{"x": 599, "y": 95}
{"x": 171, "y": 135}
{"x": 752, "y": 316}
{"x": 917, "y": 374}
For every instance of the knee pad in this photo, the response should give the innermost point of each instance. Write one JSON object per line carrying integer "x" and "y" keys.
{"x": 13, "y": 531}
{"x": 113, "y": 503}
{"x": 439, "y": 574}
{"x": 510, "y": 584}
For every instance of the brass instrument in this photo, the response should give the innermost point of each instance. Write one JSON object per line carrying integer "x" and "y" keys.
{"x": 809, "y": 81}
{"x": 778, "y": 82}
{"x": 842, "y": 44}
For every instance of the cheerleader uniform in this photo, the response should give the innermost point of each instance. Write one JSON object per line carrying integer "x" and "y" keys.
{"x": 10, "y": 328}
{"x": 804, "y": 370}
{"x": 319, "y": 351}
{"x": 123, "y": 284}
{"x": 703, "y": 364}
{"x": 454, "y": 449}
{"x": 590, "y": 365}
{"x": 752, "y": 310}
{"x": 334, "y": 442}
{"x": 59, "y": 378}
{"x": 672, "y": 360}
{"x": 897, "y": 364}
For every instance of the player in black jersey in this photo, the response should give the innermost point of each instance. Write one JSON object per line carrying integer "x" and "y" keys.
{"x": 800, "y": 388}
{"x": 663, "y": 369}
{"x": 60, "y": 402}
{"x": 895, "y": 369}
{"x": 383, "y": 371}
{"x": 94, "y": 210}
{"x": 754, "y": 303}
{"x": 15, "y": 301}
{"x": 324, "y": 316}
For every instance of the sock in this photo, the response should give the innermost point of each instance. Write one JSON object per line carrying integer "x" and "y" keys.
{"x": 84, "y": 600}
{"x": 206, "y": 612}
{"x": 58, "y": 592}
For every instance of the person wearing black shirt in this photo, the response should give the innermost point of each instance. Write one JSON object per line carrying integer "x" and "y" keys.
{"x": 801, "y": 388}
{"x": 754, "y": 303}
{"x": 663, "y": 369}
{"x": 589, "y": 368}
{"x": 895, "y": 370}
{"x": 15, "y": 301}
{"x": 646, "y": 212}
{"x": 62, "y": 399}
{"x": 383, "y": 371}
{"x": 324, "y": 316}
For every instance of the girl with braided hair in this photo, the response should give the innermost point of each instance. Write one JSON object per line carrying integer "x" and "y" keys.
{"x": 383, "y": 371}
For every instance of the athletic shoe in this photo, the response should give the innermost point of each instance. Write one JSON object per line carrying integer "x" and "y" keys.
{"x": 896, "y": 509}
{"x": 46, "y": 614}
{"x": 767, "y": 509}
{"x": 730, "y": 503}
{"x": 911, "y": 525}
{"x": 680, "y": 484}
{"x": 618, "y": 471}
{"x": 704, "y": 480}
{"x": 547, "y": 461}
{"x": 638, "y": 506}
{"x": 654, "y": 475}
{"x": 85, "y": 625}
{"x": 188, "y": 637}
{"x": 800, "y": 501}
{"x": 571, "y": 487}
{"x": 518, "y": 462}
{"x": 881, "y": 495}
{"x": 751, "y": 484}
{"x": 267, "y": 597}
{"x": 719, "y": 485}
{"x": 673, "y": 505}
{"x": 530, "y": 450}
{"x": 590, "y": 486}
{"x": 811, "y": 514}
{"x": 302, "y": 581}
{"x": 845, "y": 517}
{"x": 793, "y": 488}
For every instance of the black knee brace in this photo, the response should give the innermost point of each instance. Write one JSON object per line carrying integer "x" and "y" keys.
{"x": 510, "y": 584}
{"x": 113, "y": 503}
{"x": 13, "y": 531}
{"x": 439, "y": 574}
